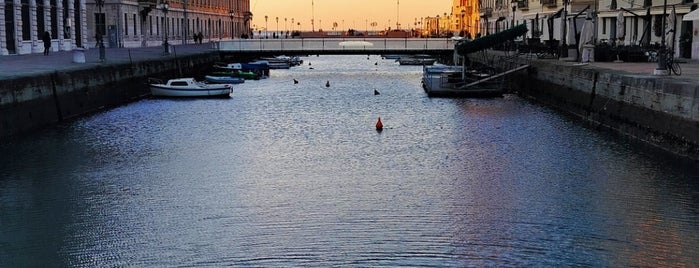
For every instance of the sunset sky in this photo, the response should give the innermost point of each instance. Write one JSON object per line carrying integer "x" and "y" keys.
{"x": 355, "y": 13}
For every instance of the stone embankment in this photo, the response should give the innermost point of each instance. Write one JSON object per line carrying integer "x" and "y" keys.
{"x": 34, "y": 99}
{"x": 660, "y": 111}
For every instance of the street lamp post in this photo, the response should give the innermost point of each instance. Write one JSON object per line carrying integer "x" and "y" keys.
{"x": 166, "y": 46}
{"x": 438, "y": 26}
{"x": 662, "y": 60}
{"x": 231, "y": 13}
{"x": 514, "y": 8}
{"x": 277, "y": 19}
{"x": 463, "y": 31}
{"x": 266, "y": 32}
{"x": 98, "y": 27}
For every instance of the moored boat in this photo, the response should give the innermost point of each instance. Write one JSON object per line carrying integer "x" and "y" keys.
{"x": 188, "y": 87}
{"x": 417, "y": 60}
{"x": 452, "y": 81}
{"x": 215, "y": 79}
{"x": 237, "y": 74}
{"x": 392, "y": 56}
{"x": 228, "y": 66}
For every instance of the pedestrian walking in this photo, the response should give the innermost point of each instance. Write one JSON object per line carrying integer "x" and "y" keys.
{"x": 47, "y": 42}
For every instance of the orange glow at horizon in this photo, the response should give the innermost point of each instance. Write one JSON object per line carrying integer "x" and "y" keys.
{"x": 348, "y": 14}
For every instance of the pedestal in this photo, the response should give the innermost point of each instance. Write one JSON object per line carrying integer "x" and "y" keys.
{"x": 79, "y": 55}
{"x": 588, "y": 53}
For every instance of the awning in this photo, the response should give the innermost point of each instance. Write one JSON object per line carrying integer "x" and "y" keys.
{"x": 694, "y": 15}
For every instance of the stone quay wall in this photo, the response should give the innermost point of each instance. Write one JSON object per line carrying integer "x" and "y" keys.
{"x": 655, "y": 110}
{"x": 28, "y": 103}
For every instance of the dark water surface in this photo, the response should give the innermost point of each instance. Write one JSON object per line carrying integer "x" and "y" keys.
{"x": 295, "y": 175}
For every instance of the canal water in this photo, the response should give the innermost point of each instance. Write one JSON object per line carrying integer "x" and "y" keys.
{"x": 295, "y": 175}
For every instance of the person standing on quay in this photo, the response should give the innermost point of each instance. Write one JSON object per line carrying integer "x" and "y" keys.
{"x": 47, "y": 42}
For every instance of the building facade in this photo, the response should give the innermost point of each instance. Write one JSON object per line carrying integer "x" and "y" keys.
{"x": 467, "y": 17}
{"x": 120, "y": 23}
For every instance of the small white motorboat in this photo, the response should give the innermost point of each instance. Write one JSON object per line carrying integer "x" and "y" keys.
{"x": 188, "y": 87}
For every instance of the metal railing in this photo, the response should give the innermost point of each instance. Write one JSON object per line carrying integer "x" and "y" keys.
{"x": 336, "y": 44}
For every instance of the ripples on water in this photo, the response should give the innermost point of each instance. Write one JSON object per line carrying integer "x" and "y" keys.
{"x": 296, "y": 175}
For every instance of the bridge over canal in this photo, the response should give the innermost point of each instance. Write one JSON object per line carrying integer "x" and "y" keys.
{"x": 443, "y": 47}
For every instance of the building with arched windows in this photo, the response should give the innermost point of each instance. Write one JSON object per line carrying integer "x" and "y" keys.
{"x": 120, "y": 23}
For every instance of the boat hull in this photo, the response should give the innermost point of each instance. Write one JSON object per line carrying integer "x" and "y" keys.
{"x": 163, "y": 91}
{"x": 223, "y": 79}
{"x": 447, "y": 81}
{"x": 417, "y": 61}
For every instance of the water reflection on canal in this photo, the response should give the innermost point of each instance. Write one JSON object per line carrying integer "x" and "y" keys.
{"x": 286, "y": 174}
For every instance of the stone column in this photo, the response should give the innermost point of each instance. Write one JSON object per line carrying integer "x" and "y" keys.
{"x": 83, "y": 23}
{"x": 34, "y": 30}
{"x": 3, "y": 35}
{"x": 72, "y": 25}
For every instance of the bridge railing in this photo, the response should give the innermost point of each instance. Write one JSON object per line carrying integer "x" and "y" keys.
{"x": 337, "y": 44}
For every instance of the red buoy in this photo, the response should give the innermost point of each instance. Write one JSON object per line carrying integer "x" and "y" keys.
{"x": 379, "y": 125}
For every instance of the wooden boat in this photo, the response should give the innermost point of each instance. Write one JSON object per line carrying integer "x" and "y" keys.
{"x": 188, "y": 87}
{"x": 215, "y": 79}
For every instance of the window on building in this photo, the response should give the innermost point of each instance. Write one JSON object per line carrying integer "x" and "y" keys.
{"x": 150, "y": 25}
{"x": 26, "y": 29}
{"x": 604, "y": 25}
{"x": 134, "y": 25}
{"x": 100, "y": 21}
{"x": 67, "y": 24}
{"x": 40, "y": 18}
{"x": 54, "y": 20}
{"x": 126, "y": 24}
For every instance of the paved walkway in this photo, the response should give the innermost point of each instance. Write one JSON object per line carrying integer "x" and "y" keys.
{"x": 29, "y": 64}
{"x": 690, "y": 68}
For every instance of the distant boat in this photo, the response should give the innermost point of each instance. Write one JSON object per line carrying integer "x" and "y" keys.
{"x": 214, "y": 79}
{"x": 417, "y": 60}
{"x": 228, "y": 66}
{"x": 237, "y": 74}
{"x": 275, "y": 64}
{"x": 392, "y": 56}
{"x": 188, "y": 87}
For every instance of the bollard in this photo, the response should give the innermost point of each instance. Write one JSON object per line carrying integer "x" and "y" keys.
{"x": 79, "y": 55}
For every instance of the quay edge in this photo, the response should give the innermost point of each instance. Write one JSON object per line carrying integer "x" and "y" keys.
{"x": 659, "y": 111}
{"x": 29, "y": 103}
